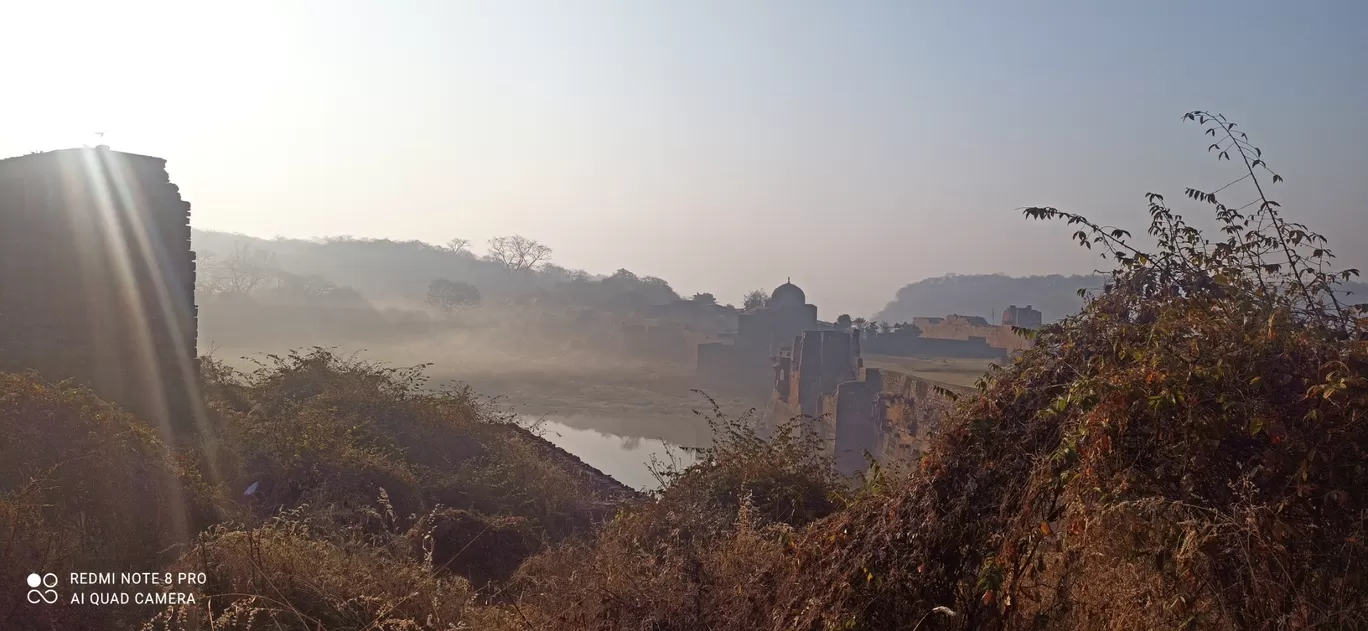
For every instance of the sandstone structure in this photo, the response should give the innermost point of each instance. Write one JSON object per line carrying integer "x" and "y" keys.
{"x": 97, "y": 278}
{"x": 909, "y": 341}
{"x": 974, "y": 328}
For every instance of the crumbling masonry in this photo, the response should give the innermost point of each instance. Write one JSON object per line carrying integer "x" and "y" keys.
{"x": 97, "y": 278}
{"x": 855, "y": 410}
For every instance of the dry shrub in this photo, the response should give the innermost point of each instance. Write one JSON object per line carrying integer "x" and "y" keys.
{"x": 331, "y": 433}
{"x": 1189, "y": 452}
{"x": 705, "y": 553}
{"x": 480, "y": 547}
{"x": 283, "y": 575}
{"x": 84, "y": 487}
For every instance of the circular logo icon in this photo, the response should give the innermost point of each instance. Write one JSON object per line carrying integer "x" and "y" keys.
{"x": 49, "y": 595}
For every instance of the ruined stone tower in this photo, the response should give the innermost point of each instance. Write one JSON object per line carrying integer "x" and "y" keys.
{"x": 97, "y": 278}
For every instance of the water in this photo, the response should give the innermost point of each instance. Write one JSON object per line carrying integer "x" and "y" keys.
{"x": 625, "y": 458}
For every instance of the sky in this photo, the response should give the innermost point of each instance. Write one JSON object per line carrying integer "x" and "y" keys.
{"x": 724, "y": 146}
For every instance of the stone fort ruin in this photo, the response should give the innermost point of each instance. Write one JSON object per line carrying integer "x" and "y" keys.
{"x": 97, "y": 278}
{"x": 815, "y": 371}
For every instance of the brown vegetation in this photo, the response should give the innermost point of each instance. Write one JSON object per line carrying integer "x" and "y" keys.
{"x": 1187, "y": 452}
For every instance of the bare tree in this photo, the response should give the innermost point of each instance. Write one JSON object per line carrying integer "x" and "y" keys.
{"x": 458, "y": 245}
{"x": 241, "y": 272}
{"x": 517, "y": 253}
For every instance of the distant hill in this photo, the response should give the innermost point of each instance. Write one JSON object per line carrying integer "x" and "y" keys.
{"x": 397, "y": 273}
{"x": 986, "y": 295}
{"x": 382, "y": 270}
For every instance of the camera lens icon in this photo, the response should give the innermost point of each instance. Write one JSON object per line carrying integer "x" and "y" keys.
{"x": 48, "y": 595}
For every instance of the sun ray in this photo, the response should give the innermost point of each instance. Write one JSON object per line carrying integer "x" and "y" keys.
{"x": 115, "y": 224}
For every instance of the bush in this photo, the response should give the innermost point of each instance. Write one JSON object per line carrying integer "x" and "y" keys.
{"x": 283, "y": 575}
{"x": 86, "y": 487}
{"x": 331, "y": 433}
{"x": 705, "y": 553}
{"x": 1188, "y": 452}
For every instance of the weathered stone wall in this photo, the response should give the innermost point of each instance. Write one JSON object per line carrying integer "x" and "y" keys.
{"x": 854, "y": 410}
{"x": 821, "y": 361}
{"x": 960, "y": 328}
{"x": 907, "y": 343}
{"x": 909, "y": 410}
{"x": 97, "y": 278}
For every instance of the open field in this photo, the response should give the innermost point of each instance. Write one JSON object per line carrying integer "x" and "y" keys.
{"x": 954, "y": 371}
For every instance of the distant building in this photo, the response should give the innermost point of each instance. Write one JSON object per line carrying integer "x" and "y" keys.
{"x": 1024, "y": 317}
{"x": 763, "y": 331}
{"x": 982, "y": 338}
{"x": 97, "y": 277}
{"x": 762, "y": 335}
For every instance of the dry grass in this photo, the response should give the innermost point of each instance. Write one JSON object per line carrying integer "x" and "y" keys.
{"x": 284, "y": 575}
{"x": 85, "y": 487}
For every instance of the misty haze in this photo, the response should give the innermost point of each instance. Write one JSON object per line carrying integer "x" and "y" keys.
{"x": 692, "y": 315}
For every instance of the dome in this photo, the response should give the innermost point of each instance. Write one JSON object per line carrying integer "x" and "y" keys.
{"x": 787, "y": 295}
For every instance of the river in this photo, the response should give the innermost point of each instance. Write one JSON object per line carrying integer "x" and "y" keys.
{"x": 626, "y": 458}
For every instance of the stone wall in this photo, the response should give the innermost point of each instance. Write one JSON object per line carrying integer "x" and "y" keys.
{"x": 956, "y": 327}
{"x": 97, "y": 278}
{"x": 908, "y": 342}
{"x": 855, "y": 410}
{"x": 821, "y": 361}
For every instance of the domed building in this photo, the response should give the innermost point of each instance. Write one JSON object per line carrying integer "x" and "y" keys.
{"x": 762, "y": 334}
{"x": 787, "y": 295}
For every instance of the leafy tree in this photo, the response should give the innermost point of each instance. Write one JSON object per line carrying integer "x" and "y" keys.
{"x": 705, "y": 297}
{"x": 517, "y": 253}
{"x": 624, "y": 275}
{"x": 555, "y": 273}
{"x": 755, "y": 299}
{"x": 448, "y": 295}
{"x": 843, "y": 321}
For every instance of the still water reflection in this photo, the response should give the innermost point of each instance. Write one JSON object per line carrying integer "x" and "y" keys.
{"x": 626, "y": 458}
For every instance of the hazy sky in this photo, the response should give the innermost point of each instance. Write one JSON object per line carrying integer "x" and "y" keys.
{"x": 855, "y": 146}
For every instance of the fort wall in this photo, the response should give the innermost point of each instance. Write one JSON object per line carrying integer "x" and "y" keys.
{"x": 856, "y": 411}
{"x": 97, "y": 278}
{"x": 956, "y": 327}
